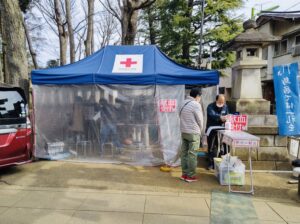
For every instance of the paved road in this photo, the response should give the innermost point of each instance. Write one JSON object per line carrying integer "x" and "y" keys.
{"x": 63, "y": 192}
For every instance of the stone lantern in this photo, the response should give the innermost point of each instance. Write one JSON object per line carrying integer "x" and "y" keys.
{"x": 246, "y": 71}
{"x": 247, "y": 97}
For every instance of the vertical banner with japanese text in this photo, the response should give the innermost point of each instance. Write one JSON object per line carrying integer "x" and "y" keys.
{"x": 287, "y": 99}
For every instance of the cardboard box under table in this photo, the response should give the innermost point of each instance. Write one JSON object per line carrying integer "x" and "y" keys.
{"x": 236, "y": 172}
{"x": 236, "y": 140}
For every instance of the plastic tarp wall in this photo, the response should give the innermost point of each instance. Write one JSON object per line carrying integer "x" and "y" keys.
{"x": 134, "y": 124}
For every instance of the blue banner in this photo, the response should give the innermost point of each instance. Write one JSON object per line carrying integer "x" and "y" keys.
{"x": 287, "y": 99}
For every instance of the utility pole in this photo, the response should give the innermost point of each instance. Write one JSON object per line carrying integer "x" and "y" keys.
{"x": 201, "y": 34}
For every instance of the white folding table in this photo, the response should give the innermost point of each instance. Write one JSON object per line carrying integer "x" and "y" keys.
{"x": 239, "y": 139}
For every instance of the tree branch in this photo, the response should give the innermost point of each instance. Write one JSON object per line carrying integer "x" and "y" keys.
{"x": 111, "y": 10}
{"x": 47, "y": 21}
{"x": 144, "y": 4}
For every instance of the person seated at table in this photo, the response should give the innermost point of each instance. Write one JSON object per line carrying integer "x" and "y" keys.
{"x": 216, "y": 117}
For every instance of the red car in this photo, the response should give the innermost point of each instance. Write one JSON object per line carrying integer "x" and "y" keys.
{"x": 15, "y": 127}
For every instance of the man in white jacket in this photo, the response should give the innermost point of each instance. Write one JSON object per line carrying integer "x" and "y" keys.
{"x": 191, "y": 126}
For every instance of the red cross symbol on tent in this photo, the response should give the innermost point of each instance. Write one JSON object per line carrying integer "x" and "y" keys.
{"x": 128, "y": 62}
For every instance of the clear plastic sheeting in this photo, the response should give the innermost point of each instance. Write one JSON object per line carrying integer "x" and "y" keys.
{"x": 108, "y": 123}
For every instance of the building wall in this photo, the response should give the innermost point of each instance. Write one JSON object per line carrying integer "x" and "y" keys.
{"x": 287, "y": 30}
{"x": 280, "y": 28}
{"x": 285, "y": 59}
{"x": 266, "y": 28}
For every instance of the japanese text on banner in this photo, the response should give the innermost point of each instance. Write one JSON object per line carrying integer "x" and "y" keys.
{"x": 287, "y": 98}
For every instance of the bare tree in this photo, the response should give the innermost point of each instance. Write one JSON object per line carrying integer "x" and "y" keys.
{"x": 13, "y": 35}
{"x": 70, "y": 29}
{"x": 62, "y": 32}
{"x": 90, "y": 24}
{"x": 34, "y": 28}
{"x": 106, "y": 28}
{"x": 127, "y": 14}
{"x": 54, "y": 15}
{"x": 29, "y": 42}
{"x": 80, "y": 39}
{"x": 81, "y": 29}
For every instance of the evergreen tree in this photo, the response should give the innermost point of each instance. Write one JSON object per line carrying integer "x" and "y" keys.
{"x": 175, "y": 26}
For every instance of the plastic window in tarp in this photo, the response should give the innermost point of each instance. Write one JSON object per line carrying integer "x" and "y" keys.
{"x": 108, "y": 123}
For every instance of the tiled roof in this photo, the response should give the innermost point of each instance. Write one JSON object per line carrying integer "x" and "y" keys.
{"x": 266, "y": 16}
{"x": 251, "y": 36}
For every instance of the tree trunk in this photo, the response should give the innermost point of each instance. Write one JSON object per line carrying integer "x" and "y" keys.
{"x": 13, "y": 35}
{"x": 32, "y": 53}
{"x": 62, "y": 33}
{"x": 128, "y": 17}
{"x": 1, "y": 56}
{"x": 129, "y": 26}
{"x": 124, "y": 25}
{"x": 1, "y": 73}
{"x": 70, "y": 29}
{"x": 89, "y": 36}
{"x": 152, "y": 33}
{"x": 93, "y": 40}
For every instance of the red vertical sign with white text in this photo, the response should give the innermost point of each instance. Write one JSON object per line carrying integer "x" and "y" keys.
{"x": 167, "y": 105}
{"x": 238, "y": 122}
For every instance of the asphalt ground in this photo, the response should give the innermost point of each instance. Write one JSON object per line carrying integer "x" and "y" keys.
{"x": 47, "y": 192}
{"x": 123, "y": 177}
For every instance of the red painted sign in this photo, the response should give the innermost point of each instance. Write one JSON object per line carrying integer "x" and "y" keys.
{"x": 167, "y": 105}
{"x": 238, "y": 122}
{"x": 128, "y": 62}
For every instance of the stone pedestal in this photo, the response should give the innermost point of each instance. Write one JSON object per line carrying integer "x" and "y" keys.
{"x": 250, "y": 106}
{"x": 246, "y": 79}
{"x": 272, "y": 152}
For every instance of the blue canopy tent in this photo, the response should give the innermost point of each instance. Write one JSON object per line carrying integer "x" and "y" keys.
{"x": 117, "y": 105}
{"x": 98, "y": 69}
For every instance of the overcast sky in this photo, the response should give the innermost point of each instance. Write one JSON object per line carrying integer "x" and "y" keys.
{"x": 50, "y": 49}
{"x": 284, "y": 5}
